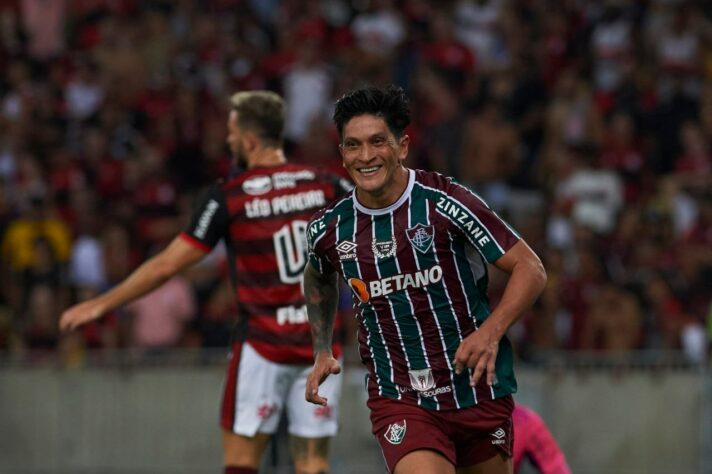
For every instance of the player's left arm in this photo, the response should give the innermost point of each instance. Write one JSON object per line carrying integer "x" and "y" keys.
{"x": 527, "y": 278}
{"x": 321, "y": 291}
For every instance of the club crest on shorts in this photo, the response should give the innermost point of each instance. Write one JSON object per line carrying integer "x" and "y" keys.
{"x": 395, "y": 433}
{"x": 421, "y": 380}
{"x": 384, "y": 249}
{"x": 421, "y": 237}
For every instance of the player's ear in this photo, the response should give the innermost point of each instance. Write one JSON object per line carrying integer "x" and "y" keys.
{"x": 403, "y": 147}
{"x": 250, "y": 141}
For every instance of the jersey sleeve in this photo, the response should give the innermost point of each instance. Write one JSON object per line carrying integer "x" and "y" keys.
{"x": 315, "y": 247}
{"x": 480, "y": 225}
{"x": 209, "y": 221}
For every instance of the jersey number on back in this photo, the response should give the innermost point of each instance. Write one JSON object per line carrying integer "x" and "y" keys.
{"x": 290, "y": 247}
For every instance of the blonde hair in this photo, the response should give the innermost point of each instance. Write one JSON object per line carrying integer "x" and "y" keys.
{"x": 262, "y": 112}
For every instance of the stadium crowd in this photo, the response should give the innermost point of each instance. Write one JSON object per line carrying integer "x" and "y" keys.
{"x": 587, "y": 124}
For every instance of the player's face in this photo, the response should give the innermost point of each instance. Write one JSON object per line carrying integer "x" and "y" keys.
{"x": 373, "y": 157}
{"x": 234, "y": 139}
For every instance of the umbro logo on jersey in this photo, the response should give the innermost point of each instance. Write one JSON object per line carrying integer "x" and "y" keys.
{"x": 347, "y": 250}
{"x": 421, "y": 237}
{"x": 395, "y": 432}
{"x": 384, "y": 249}
{"x": 257, "y": 185}
{"x": 499, "y": 436}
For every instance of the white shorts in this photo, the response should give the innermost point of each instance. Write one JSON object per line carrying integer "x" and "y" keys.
{"x": 257, "y": 390}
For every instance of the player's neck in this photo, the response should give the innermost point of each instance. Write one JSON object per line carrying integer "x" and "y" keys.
{"x": 265, "y": 157}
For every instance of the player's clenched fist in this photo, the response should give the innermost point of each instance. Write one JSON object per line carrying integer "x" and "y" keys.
{"x": 324, "y": 365}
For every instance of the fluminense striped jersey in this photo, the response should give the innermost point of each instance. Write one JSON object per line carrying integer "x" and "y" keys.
{"x": 419, "y": 276}
{"x": 262, "y": 215}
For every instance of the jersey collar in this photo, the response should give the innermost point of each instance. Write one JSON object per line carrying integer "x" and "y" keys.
{"x": 392, "y": 207}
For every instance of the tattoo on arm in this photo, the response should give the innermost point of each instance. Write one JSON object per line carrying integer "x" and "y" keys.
{"x": 322, "y": 295}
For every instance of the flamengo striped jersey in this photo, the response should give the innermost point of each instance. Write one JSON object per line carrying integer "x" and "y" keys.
{"x": 262, "y": 215}
{"x": 419, "y": 276}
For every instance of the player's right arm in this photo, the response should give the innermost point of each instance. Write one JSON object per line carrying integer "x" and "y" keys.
{"x": 321, "y": 291}
{"x": 146, "y": 278}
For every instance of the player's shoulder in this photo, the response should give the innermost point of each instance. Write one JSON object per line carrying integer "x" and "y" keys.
{"x": 434, "y": 180}
{"x": 327, "y": 216}
{"x": 261, "y": 180}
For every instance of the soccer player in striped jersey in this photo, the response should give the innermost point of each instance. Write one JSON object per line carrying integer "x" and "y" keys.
{"x": 261, "y": 214}
{"x": 414, "y": 247}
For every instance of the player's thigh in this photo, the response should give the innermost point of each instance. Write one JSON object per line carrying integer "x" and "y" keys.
{"x": 424, "y": 461}
{"x": 243, "y": 451}
{"x": 310, "y": 455}
{"x": 256, "y": 390}
{"x": 307, "y": 420}
{"x": 498, "y": 464}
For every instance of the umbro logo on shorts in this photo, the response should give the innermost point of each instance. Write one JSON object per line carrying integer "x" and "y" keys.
{"x": 395, "y": 433}
{"x": 499, "y": 436}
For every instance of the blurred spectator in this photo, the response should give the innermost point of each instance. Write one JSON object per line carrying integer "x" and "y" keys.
{"x": 43, "y": 24}
{"x": 613, "y": 322}
{"x": 593, "y": 195}
{"x": 611, "y": 41}
{"x": 477, "y": 26}
{"x": 490, "y": 153}
{"x": 160, "y": 317}
{"x": 307, "y": 88}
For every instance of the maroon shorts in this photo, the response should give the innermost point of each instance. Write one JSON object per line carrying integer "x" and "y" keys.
{"x": 465, "y": 437}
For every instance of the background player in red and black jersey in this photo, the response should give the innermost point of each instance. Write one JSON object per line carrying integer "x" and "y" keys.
{"x": 261, "y": 213}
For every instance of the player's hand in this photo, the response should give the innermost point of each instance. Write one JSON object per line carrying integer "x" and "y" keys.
{"x": 478, "y": 351}
{"x": 324, "y": 365}
{"x": 79, "y": 314}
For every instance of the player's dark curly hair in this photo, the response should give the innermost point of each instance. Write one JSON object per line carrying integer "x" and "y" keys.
{"x": 391, "y": 103}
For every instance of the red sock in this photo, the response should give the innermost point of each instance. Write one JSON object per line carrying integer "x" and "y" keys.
{"x": 240, "y": 470}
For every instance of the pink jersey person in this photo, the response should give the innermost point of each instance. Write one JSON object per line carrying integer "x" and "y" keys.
{"x": 532, "y": 439}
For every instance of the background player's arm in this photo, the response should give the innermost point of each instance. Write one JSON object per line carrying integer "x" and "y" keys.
{"x": 150, "y": 275}
{"x": 527, "y": 278}
{"x": 541, "y": 447}
{"x": 321, "y": 292}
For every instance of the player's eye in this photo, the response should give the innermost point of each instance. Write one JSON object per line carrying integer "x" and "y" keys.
{"x": 350, "y": 146}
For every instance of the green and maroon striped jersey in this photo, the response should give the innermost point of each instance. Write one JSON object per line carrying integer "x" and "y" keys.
{"x": 418, "y": 271}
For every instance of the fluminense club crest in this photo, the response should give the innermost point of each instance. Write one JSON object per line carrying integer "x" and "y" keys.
{"x": 395, "y": 432}
{"x": 421, "y": 237}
